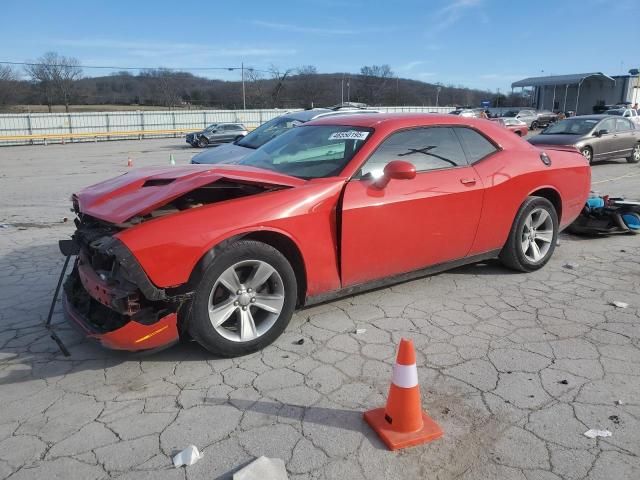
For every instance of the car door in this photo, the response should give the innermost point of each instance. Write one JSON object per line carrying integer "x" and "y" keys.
{"x": 604, "y": 145}
{"x": 625, "y": 138}
{"x": 410, "y": 224}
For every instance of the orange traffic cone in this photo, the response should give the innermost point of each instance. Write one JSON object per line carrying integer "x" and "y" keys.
{"x": 129, "y": 162}
{"x": 402, "y": 423}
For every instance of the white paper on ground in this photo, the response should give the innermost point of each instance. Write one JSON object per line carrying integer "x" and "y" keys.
{"x": 188, "y": 456}
{"x": 619, "y": 304}
{"x": 263, "y": 468}
{"x": 593, "y": 433}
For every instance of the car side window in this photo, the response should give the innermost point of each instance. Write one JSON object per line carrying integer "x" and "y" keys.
{"x": 623, "y": 125}
{"x": 427, "y": 148}
{"x": 476, "y": 145}
{"x": 609, "y": 124}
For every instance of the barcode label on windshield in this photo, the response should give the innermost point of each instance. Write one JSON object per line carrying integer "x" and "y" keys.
{"x": 349, "y": 135}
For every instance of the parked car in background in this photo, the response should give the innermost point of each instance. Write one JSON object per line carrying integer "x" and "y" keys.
{"x": 342, "y": 204}
{"x": 516, "y": 126}
{"x": 217, "y": 133}
{"x": 467, "y": 112}
{"x": 629, "y": 113}
{"x": 546, "y": 118}
{"x": 530, "y": 117}
{"x": 597, "y": 137}
{"x": 235, "y": 151}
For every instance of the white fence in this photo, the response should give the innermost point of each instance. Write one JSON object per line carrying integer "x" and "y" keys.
{"x": 43, "y": 128}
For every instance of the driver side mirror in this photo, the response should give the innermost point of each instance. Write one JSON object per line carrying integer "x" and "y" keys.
{"x": 396, "y": 170}
{"x": 599, "y": 133}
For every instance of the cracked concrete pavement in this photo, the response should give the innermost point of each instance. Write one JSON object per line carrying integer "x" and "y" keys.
{"x": 514, "y": 367}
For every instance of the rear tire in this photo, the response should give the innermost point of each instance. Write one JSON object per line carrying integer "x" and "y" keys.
{"x": 534, "y": 125}
{"x": 244, "y": 300}
{"x": 533, "y": 236}
{"x": 635, "y": 154}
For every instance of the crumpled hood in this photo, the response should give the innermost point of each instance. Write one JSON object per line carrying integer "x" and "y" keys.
{"x": 142, "y": 190}
{"x": 226, "y": 153}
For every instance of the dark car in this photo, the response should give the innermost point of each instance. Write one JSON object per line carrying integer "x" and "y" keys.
{"x": 598, "y": 137}
{"x": 545, "y": 118}
{"x": 216, "y": 133}
{"x": 237, "y": 150}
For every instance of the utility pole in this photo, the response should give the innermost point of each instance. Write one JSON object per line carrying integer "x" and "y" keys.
{"x": 342, "y": 90}
{"x": 244, "y": 98}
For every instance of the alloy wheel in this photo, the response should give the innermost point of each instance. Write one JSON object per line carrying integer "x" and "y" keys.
{"x": 586, "y": 153}
{"x": 636, "y": 153}
{"x": 537, "y": 235}
{"x": 246, "y": 300}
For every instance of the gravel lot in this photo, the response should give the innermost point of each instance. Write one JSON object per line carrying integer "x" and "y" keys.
{"x": 514, "y": 367}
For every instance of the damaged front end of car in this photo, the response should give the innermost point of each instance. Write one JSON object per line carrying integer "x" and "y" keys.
{"x": 109, "y": 296}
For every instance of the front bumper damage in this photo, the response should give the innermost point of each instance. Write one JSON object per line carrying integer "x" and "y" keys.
{"x": 112, "y": 300}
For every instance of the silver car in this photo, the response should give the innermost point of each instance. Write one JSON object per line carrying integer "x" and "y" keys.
{"x": 217, "y": 133}
{"x": 233, "y": 152}
{"x": 530, "y": 117}
{"x": 598, "y": 137}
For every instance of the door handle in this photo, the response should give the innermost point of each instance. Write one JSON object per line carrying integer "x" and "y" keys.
{"x": 468, "y": 181}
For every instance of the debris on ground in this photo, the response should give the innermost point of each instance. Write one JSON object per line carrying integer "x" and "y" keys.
{"x": 4, "y": 225}
{"x": 615, "y": 419}
{"x": 564, "y": 382}
{"x": 593, "y": 433}
{"x": 263, "y": 468}
{"x": 188, "y": 456}
{"x": 300, "y": 342}
{"x": 619, "y": 304}
{"x": 360, "y": 331}
{"x": 65, "y": 219}
{"x": 619, "y": 402}
{"x": 570, "y": 266}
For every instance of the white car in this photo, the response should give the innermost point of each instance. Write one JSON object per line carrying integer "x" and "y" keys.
{"x": 629, "y": 113}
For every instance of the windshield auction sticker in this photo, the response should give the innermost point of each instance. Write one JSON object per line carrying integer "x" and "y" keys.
{"x": 349, "y": 135}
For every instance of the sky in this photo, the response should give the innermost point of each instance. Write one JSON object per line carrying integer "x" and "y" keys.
{"x": 484, "y": 44}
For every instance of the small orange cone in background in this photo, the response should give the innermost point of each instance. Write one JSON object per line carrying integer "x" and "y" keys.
{"x": 402, "y": 423}
{"x": 129, "y": 162}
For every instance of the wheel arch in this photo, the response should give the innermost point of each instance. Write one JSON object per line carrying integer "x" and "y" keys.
{"x": 552, "y": 195}
{"x": 276, "y": 239}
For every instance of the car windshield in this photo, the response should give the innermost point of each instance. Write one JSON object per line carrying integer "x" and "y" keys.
{"x": 313, "y": 151}
{"x": 267, "y": 131}
{"x": 615, "y": 112}
{"x": 212, "y": 126}
{"x": 571, "y": 126}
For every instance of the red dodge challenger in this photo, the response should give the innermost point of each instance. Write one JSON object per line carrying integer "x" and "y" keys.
{"x": 224, "y": 254}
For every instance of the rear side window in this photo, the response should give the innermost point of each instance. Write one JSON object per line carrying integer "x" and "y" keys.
{"x": 427, "y": 148}
{"x": 476, "y": 146}
{"x": 622, "y": 125}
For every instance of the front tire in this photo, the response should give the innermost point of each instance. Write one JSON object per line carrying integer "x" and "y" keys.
{"x": 244, "y": 301}
{"x": 533, "y": 236}
{"x": 203, "y": 142}
{"x": 635, "y": 154}
{"x": 534, "y": 125}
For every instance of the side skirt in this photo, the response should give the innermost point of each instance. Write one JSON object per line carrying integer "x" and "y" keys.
{"x": 403, "y": 277}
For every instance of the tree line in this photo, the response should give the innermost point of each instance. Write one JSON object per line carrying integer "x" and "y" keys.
{"x": 58, "y": 80}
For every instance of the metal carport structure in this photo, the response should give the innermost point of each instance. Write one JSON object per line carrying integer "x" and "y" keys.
{"x": 561, "y": 80}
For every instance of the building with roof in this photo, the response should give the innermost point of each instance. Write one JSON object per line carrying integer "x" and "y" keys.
{"x": 582, "y": 93}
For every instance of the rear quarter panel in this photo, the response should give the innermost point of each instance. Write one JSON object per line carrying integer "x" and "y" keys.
{"x": 510, "y": 176}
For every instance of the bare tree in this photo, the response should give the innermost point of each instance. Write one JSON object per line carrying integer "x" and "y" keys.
{"x": 8, "y": 84}
{"x": 308, "y": 83}
{"x": 279, "y": 77}
{"x": 164, "y": 86}
{"x": 256, "y": 88}
{"x": 56, "y": 77}
{"x": 374, "y": 80}
{"x": 67, "y": 73}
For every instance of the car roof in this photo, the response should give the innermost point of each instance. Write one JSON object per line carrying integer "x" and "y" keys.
{"x": 400, "y": 120}
{"x": 590, "y": 117}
